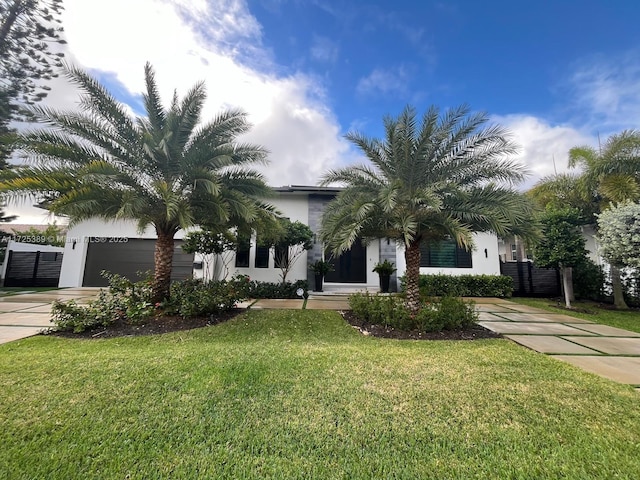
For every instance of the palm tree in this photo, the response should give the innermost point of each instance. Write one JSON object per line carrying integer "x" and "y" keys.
{"x": 163, "y": 169}
{"x": 611, "y": 174}
{"x": 440, "y": 179}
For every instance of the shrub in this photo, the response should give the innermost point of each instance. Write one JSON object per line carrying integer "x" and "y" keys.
{"x": 448, "y": 313}
{"x": 465, "y": 285}
{"x": 193, "y": 298}
{"x": 125, "y": 301}
{"x": 589, "y": 281}
{"x": 277, "y": 290}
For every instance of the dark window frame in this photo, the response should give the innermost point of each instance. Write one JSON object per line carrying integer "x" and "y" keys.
{"x": 262, "y": 257}
{"x": 434, "y": 254}
{"x": 243, "y": 254}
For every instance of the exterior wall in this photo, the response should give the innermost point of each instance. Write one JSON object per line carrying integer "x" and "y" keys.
{"x": 77, "y": 243}
{"x": 388, "y": 251}
{"x": 25, "y": 247}
{"x": 483, "y": 263}
{"x": 296, "y": 208}
{"x": 591, "y": 244}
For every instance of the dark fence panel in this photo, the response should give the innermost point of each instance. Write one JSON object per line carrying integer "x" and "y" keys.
{"x": 33, "y": 269}
{"x": 532, "y": 281}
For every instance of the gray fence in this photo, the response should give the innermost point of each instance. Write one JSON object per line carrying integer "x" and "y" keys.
{"x": 33, "y": 269}
{"x": 532, "y": 281}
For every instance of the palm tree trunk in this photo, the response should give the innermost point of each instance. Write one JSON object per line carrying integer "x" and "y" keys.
{"x": 163, "y": 258}
{"x": 412, "y": 276}
{"x": 618, "y": 296}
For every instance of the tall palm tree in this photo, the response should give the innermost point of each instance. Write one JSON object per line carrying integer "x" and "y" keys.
{"x": 611, "y": 173}
{"x": 163, "y": 169}
{"x": 448, "y": 177}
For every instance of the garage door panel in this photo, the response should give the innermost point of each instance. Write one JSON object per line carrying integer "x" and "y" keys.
{"x": 129, "y": 258}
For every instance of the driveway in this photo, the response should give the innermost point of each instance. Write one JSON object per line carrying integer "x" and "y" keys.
{"x": 607, "y": 351}
{"x": 27, "y": 314}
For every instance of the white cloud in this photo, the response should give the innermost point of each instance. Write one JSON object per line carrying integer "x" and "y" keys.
{"x": 324, "y": 49}
{"x": 384, "y": 81}
{"x": 541, "y": 143}
{"x": 604, "y": 92}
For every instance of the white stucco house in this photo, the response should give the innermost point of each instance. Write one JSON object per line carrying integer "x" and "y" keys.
{"x": 118, "y": 247}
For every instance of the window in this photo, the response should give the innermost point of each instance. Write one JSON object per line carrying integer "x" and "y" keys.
{"x": 514, "y": 252}
{"x": 281, "y": 256}
{"x": 262, "y": 257}
{"x": 242, "y": 252}
{"x": 444, "y": 254}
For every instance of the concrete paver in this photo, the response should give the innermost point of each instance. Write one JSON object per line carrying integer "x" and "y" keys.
{"x": 610, "y": 345}
{"x": 9, "y": 334}
{"x": 620, "y": 369}
{"x": 533, "y": 328}
{"x": 313, "y": 304}
{"x": 550, "y": 344}
{"x": 16, "y": 306}
{"x": 541, "y": 317}
{"x": 26, "y": 319}
{"x": 607, "y": 331}
{"x": 275, "y": 303}
{"x": 34, "y": 308}
{"x": 491, "y": 308}
{"x": 516, "y": 307}
{"x": 489, "y": 317}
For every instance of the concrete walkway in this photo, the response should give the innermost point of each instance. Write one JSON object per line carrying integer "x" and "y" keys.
{"x": 27, "y": 314}
{"x": 610, "y": 352}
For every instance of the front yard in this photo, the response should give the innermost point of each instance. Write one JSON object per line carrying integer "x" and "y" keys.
{"x": 300, "y": 394}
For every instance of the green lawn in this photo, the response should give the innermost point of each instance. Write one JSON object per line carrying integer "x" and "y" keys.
{"x": 629, "y": 320}
{"x": 299, "y": 394}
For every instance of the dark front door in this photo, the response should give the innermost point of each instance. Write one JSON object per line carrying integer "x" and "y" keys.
{"x": 350, "y": 267}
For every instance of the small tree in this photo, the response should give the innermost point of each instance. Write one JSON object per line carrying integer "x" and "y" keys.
{"x": 212, "y": 246}
{"x": 289, "y": 241}
{"x": 562, "y": 246}
{"x": 52, "y": 235}
{"x": 619, "y": 234}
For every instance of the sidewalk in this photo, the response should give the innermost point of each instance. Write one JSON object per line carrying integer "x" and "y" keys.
{"x": 27, "y": 314}
{"x": 607, "y": 351}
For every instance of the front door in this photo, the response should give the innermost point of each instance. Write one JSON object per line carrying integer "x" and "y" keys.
{"x": 350, "y": 267}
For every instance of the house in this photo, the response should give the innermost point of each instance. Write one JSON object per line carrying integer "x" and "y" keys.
{"x": 95, "y": 245}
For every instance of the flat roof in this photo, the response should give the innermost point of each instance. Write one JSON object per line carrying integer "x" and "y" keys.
{"x": 307, "y": 189}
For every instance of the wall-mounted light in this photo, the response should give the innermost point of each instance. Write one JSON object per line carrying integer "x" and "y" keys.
{"x": 486, "y": 253}
{"x": 73, "y": 245}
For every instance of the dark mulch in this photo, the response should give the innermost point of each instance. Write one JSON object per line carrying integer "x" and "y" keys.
{"x": 163, "y": 324}
{"x": 475, "y": 332}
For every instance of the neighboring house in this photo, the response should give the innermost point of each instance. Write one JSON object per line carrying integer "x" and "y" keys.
{"x": 95, "y": 245}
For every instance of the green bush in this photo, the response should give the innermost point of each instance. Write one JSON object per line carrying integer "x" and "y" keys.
{"x": 276, "y": 290}
{"x": 125, "y": 300}
{"x": 448, "y": 313}
{"x": 465, "y": 285}
{"x": 194, "y": 298}
{"x": 589, "y": 281}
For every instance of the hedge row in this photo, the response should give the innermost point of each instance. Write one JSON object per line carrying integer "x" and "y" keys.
{"x": 466, "y": 285}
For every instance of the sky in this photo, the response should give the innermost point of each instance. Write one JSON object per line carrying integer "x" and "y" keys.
{"x": 556, "y": 74}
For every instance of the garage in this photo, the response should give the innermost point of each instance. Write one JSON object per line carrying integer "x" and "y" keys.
{"x": 127, "y": 257}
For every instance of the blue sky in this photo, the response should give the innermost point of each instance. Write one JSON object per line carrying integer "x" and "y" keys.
{"x": 556, "y": 73}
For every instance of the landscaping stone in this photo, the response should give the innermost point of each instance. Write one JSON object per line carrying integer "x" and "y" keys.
{"x": 533, "y": 328}
{"x": 610, "y": 345}
{"x": 270, "y": 303}
{"x": 607, "y": 331}
{"x": 550, "y": 344}
{"x": 619, "y": 369}
{"x": 335, "y": 304}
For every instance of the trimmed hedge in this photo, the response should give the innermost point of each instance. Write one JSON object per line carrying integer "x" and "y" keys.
{"x": 466, "y": 285}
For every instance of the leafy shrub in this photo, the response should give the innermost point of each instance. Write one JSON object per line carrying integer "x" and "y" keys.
{"x": 441, "y": 285}
{"x": 125, "y": 301}
{"x": 258, "y": 289}
{"x": 193, "y": 298}
{"x": 589, "y": 281}
{"x": 448, "y": 313}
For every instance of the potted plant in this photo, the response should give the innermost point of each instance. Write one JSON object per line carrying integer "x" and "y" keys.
{"x": 385, "y": 269}
{"x": 320, "y": 268}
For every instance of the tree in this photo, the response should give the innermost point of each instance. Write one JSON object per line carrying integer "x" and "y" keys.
{"x": 562, "y": 245}
{"x": 161, "y": 170}
{"x": 565, "y": 190}
{"x": 448, "y": 177}
{"x": 52, "y": 235}
{"x": 212, "y": 247}
{"x": 28, "y": 29}
{"x": 291, "y": 241}
{"x": 611, "y": 173}
{"x": 619, "y": 234}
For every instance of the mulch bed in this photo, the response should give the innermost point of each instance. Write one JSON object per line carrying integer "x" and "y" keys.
{"x": 164, "y": 324}
{"x": 475, "y": 332}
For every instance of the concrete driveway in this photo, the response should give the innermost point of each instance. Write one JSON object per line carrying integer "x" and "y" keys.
{"x": 27, "y": 314}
